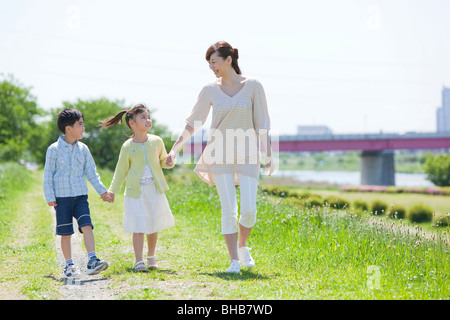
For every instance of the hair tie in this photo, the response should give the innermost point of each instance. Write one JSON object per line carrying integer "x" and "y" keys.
{"x": 235, "y": 53}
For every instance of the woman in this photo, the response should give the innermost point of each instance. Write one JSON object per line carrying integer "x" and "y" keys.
{"x": 240, "y": 123}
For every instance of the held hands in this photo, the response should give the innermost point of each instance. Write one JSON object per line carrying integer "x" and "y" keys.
{"x": 170, "y": 158}
{"x": 269, "y": 165}
{"x": 108, "y": 196}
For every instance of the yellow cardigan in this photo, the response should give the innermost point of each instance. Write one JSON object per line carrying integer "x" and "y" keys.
{"x": 131, "y": 164}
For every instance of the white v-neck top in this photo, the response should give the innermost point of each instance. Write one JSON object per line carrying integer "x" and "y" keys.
{"x": 233, "y": 142}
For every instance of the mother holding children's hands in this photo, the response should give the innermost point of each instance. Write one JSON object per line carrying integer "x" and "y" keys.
{"x": 240, "y": 124}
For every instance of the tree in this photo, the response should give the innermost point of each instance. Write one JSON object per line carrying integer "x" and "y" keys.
{"x": 438, "y": 169}
{"x": 18, "y": 115}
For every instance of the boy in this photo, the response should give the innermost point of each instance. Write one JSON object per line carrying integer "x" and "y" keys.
{"x": 68, "y": 162}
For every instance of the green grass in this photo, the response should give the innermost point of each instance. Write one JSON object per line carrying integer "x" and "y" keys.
{"x": 300, "y": 253}
{"x": 438, "y": 203}
{"x": 27, "y": 255}
{"x": 334, "y": 251}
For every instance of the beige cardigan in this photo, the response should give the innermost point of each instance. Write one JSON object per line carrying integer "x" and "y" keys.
{"x": 243, "y": 115}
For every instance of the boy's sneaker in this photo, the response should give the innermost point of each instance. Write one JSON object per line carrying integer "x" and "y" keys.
{"x": 71, "y": 271}
{"x": 96, "y": 266}
{"x": 245, "y": 257}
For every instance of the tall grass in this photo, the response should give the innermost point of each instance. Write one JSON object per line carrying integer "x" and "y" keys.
{"x": 27, "y": 250}
{"x": 14, "y": 180}
{"x": 329, "y": 253}
{"x": 337, "y": 249}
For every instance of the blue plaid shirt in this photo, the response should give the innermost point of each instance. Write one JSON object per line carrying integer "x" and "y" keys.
{"x": 66, "y": 169}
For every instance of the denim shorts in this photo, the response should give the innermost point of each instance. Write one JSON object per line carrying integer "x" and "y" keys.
{"x": 68, "y": 208}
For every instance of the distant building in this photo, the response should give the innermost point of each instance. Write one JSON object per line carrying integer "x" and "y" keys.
{"x": 443, "y": 112}
{"x": 313, "y": 130}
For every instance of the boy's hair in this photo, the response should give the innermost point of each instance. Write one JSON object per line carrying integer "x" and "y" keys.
{"x": 68, "y": 117}
{"x": 129, "y": 115}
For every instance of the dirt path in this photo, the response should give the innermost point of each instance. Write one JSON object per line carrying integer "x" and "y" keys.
{"x": 87, "y": 287}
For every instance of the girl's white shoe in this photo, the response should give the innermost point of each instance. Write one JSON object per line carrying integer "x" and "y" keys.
{"x": 235, "y": 267}
{"x": 152, "y": 265}
{"x": 245, "y": 257}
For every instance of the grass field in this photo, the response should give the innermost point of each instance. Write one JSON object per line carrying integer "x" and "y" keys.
{"x": 439, "y": 204}
{"x": 28, "y": 265}
{"x": 300, "y": 253}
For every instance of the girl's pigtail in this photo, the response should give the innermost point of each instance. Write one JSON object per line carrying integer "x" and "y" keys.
{"x": 112, "y": 121}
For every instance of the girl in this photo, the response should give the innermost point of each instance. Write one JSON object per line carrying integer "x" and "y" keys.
{"x": 146, "y": 209}
{"x": 239, "y": 111}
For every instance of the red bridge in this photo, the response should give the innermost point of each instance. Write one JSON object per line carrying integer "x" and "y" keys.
{"x": 365, "y": 142}
{"x": 377, "y": 156}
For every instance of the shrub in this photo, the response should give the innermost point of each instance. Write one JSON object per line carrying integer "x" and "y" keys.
{"x": 443, "y": 221}
{"x": 337, "y": 203}
{"x": 283, "y": 193}
{"x": 379, "y": 207}
{"x": 305, "y": 195}
{"x": 393, "y": 189}
{"x": 274, "y": 191}
{"x": 313, "y": 201}
{"x": 294, "y": 194}
{"x": 396, "y": 212}
{"x": 360, "y": 205}
{"x": 420, "y": 213}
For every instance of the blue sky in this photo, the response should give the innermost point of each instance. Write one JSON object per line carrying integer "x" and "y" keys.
{"x": 357, "y": 66}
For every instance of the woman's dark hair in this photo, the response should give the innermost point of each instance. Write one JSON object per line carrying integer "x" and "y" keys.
{"x": 68, "y": 117}
{"x": 129, "y": 115}
{"x": 224, "y": 49}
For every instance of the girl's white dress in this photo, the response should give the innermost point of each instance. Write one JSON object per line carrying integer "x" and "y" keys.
{"x": 151, "y": 212}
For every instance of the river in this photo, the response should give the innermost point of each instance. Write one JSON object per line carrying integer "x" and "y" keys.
{"x": 352, "y": 177}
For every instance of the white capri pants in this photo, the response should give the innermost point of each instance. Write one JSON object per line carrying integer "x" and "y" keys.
{"x": 227, "y": 195}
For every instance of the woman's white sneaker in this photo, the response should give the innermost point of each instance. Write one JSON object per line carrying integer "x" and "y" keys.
{"x": 235, "y": 267}
{"x": 245, "y": 257}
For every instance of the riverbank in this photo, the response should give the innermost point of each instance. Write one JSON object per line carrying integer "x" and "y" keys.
{"x": 405, "y": 162}
{"x": 350, "y": 177}
{"x": 437, "y": 199}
